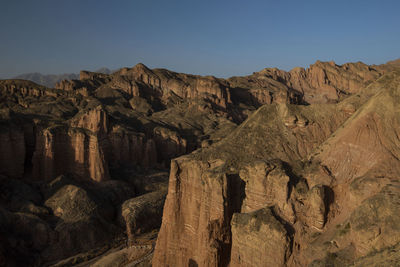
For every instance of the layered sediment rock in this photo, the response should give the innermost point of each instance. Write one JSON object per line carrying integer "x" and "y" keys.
{"x": 326, "y": 81}
{"x": 322, "y": 82}
{"x": 66, "y": 150}
{"x": 282, "y": 213}
{"x": 169, "y": 144}
{"x": 207, "y": 187}
{"x": 94, "y": 120}
{"x": 292, "y": 185}
{"x": 89, "y": 146}
{"x": 197, "y": 214}
{"x": 258, "y": 239}
{"x": 267, "y": 184}
{"x": 25, "y": 88}
{"x": 147, "y": 151}
{"x": 165, "y": 83}
{"x": 123, "y": 83}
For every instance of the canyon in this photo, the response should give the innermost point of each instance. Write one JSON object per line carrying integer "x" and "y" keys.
{"x": 149, "y": 167}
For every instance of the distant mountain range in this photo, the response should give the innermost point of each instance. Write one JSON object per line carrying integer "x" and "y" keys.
{"x": 49, "y": 80}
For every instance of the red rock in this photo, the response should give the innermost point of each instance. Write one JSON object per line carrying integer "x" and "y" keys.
{"x": 191, "y": 213}
{"x": 258, "y": 239}
{"x": 61, "y": 150}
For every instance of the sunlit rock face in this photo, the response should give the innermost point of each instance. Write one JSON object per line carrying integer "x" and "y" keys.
{"x": 277, "y": 168}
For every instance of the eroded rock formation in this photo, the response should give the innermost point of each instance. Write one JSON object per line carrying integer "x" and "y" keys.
{"x": 272, "y": 169}
{"x": 283, "y": 211}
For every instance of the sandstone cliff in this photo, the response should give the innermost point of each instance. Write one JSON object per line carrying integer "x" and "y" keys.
{"x": 242, "y": 207}
{"x": 322, "y": 82}
{"x": 272, "y": 169}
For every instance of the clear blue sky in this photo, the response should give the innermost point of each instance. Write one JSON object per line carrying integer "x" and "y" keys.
{"x": 223, "y": 38}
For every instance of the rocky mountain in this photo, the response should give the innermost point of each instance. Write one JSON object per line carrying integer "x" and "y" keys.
{"x": 49, "y": 80}
{"x": 276, "y": 168}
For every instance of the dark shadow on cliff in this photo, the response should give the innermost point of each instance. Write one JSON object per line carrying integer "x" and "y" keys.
{"x": 236, "y": 194}
{"x": 293, "y": 178}
{"x": 193, "y": 263}
{"x": 328, "y": 199}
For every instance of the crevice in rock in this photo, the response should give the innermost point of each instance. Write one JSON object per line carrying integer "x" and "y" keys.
{"x": 193, "y": 263}
{"x": 236, "y": 196}
{"x": 30, "y": 142}
{"x": 293, "y": 178}
{"x": 236, "y": 191}
{"x": 289, "y": 230}
{"x": 329, "y": 198}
